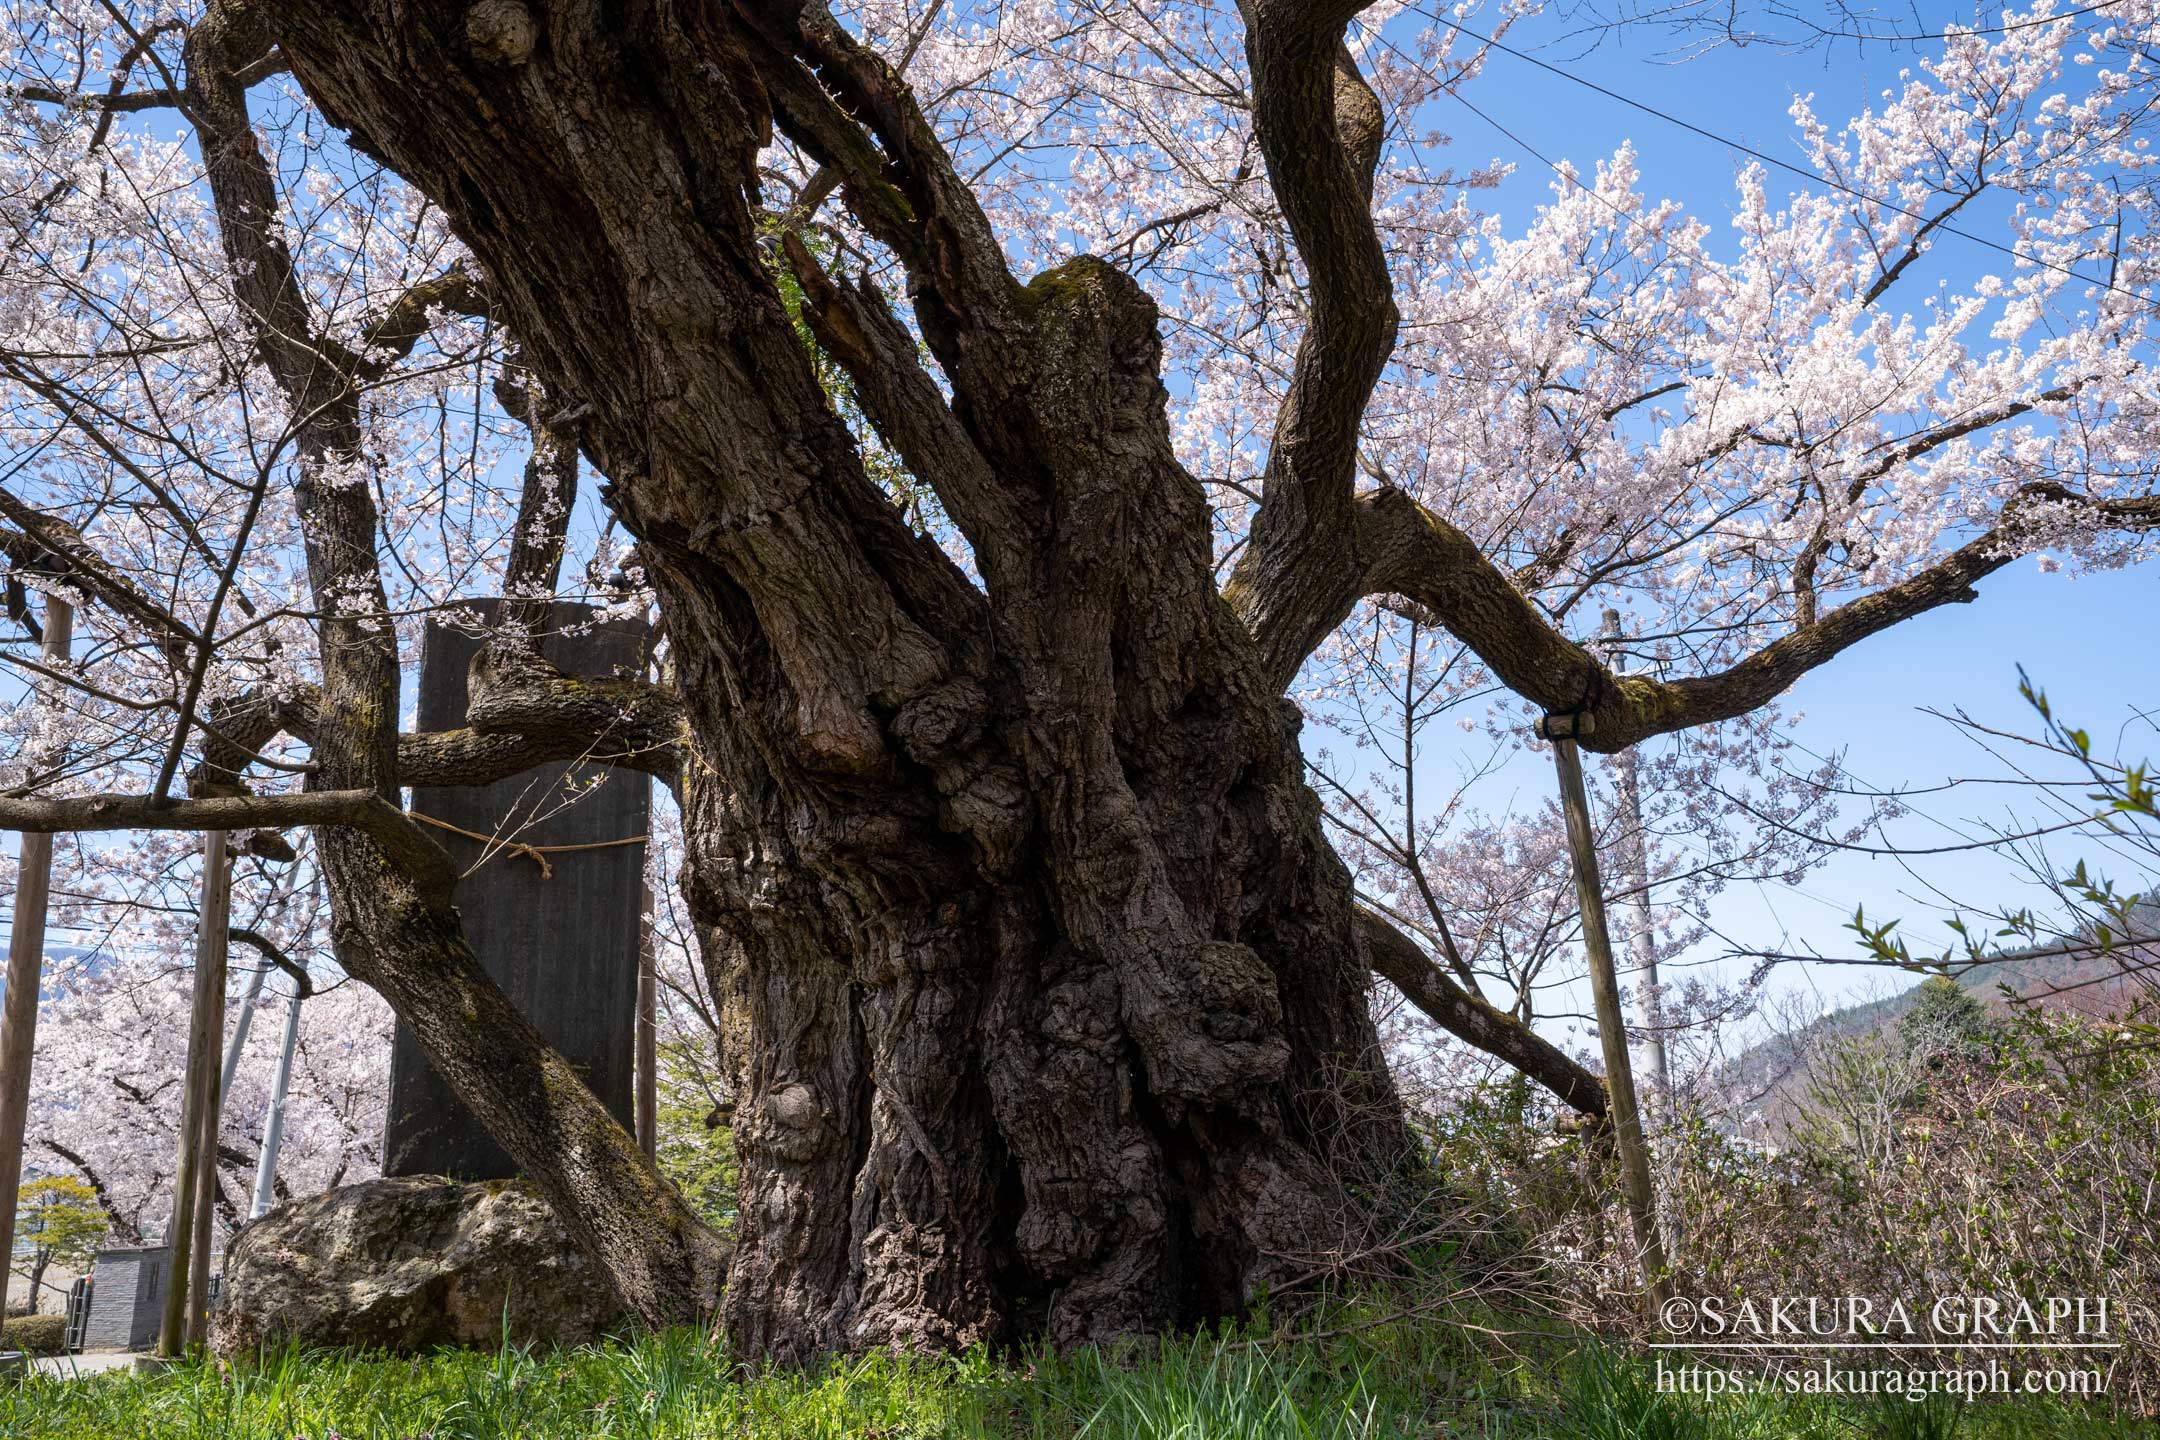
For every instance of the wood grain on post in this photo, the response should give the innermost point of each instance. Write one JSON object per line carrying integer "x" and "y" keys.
{"x": 201, "y": 1082}
{"x": 648, "y": 1038}
{"x": 206, "y": 1142}
{"x": 1612, "y": 1025}
{"x": 25, "y": 974}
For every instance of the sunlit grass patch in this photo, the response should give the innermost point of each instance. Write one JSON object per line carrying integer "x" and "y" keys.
{"x": 1366, "y": 1381}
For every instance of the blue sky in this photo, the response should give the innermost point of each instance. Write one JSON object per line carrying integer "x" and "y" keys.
{"x": 2086, "y": 639}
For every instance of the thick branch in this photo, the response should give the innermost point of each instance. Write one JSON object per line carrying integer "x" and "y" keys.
{"x": 857, "y": 116}
{"x": 310, "y": 369}
{"x": 903, "y": 186}
{"x": 545, "y": 500}
{"x": 49, "y": 545}
{"x": 120, "y": 103}
{"x": 239, "y": 729}
{"x": 1422, "y": 557}
{"x": 417, "y": 855}
{"x": 527, "y": 717}
{"x": 391, "y": 335}
{"x": 613, "y": 722}
{"x": 1321, "y": 128}
{"x": 853, "y": 325}
{"x": 1395, "y": 959}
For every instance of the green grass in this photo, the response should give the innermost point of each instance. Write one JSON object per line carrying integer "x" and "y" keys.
{"x": 1426, "y": 1380}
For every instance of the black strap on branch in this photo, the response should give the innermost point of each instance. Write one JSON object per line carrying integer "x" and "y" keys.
{"x": 1580, "y": 721}
{"x": 40, "y": 562}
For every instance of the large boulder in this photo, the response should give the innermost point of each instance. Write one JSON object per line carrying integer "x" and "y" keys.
{"x": 408, "y": 1264}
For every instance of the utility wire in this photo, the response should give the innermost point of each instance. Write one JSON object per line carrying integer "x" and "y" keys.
{"x": 1801, "y": 170}
{"x": 1894, "y": 38}
{"x": 1560, "y": 170}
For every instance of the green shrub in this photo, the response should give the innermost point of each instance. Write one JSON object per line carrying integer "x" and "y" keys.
{"x": 35, "y": 1334}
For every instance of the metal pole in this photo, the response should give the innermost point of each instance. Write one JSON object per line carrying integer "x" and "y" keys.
{"x": 274, "y": 1125}
{"x": 1642, "y": 941}
{"x": 1605, "y": 993}
{"x": 196, "y": 1094}
{"x": 25, "y": 974}
{"x": 648, "y": 1084}
{"x": 238, "y": 1043}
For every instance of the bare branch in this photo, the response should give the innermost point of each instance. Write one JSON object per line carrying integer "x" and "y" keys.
{"x": 275, "y": 954}
{"x": 1396, "y": 959}
{"x": 110, "y": 103}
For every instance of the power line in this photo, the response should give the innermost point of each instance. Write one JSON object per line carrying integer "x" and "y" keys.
{"x": 1801, "y": 170}
{"x": 2011, "y": 28}
{"x": 1560, "y": 170}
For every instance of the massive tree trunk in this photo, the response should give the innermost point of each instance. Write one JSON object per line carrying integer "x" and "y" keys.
{"x": 1055, "y": 1013}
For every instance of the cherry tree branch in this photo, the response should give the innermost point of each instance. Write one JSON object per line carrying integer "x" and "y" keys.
{"x": 121, "y": 1225}
{"x": 392, "y": 334}
{"x": 545, "y": 498}
{"x": 270, "y": 950}
{"x": 1321, "y": 128}
{"x": 109, "y": 103}
{"x": 418, "y": 857}
{"x": 853, "y": 325}
{"x": 49, "y": 545}
{"x": 520, "y": 716}
{"x": 1430, "y": 562}
{"x": 1395, "y": 958}
{"x": 858, "y": 115}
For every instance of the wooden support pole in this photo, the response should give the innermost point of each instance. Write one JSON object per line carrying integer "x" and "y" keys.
{"x": 1642, "y": 956}
{"x": 25, "y": 975}
{"x": 1642, "y": 941}
{"x": 648, "y": 1037}
{"x": 206, "y": 1143}
{"x": 1605, "y": 994}
{"x": 205, "y": 1030}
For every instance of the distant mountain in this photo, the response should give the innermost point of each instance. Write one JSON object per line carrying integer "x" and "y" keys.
{"x": 1767, "y": 1078}
{"x": 55, "y": 955}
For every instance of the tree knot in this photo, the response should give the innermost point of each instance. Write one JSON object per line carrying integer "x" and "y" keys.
{"x": 501, "y": 32}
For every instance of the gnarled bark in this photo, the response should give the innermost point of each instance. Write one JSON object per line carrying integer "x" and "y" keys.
{"x": 1053, "y": 1009}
